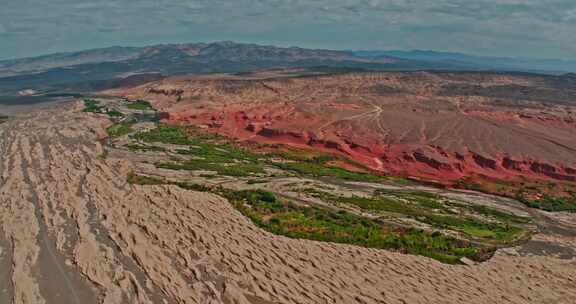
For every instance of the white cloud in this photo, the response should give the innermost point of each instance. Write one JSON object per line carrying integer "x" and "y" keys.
{"x": 530, "y": 25}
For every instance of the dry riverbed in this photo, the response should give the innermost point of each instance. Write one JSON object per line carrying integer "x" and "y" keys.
{"x": 73, "y": 230}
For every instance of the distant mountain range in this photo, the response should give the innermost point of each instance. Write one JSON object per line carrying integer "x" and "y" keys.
{"x": 472, "y": 62}
{"x": 109, "y": 67}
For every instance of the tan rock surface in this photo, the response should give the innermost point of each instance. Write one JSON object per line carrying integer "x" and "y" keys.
{"x": 61, "y": 201}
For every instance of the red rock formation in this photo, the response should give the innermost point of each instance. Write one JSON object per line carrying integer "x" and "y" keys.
{"x": 433, "y": 126}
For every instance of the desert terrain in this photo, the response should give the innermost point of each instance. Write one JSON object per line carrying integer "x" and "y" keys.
{"x": 496, "y": 132}
{"x": 75, "y": 230}
{"x": 288, "y": 152}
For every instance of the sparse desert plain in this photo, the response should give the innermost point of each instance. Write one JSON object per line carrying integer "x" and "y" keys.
{"x": 101, "y": 204}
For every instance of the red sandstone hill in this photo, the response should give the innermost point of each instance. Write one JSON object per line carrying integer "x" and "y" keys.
{"x": 444, "y": 127}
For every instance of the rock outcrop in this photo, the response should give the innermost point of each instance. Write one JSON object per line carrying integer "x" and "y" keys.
{"x": 440, "y": 126}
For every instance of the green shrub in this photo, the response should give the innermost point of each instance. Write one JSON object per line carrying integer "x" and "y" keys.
{"x": 144, "y": 180}
{"x": 93, "y": 106}
{"x": 139, "y": 105}
{"x": 316, "y": 169}
{"x": 145, "y": 148}
{"x": 114, "y": 113}
{"x": 121, "y": 128}
{"x": 321, "y": 224}
{"x": 428, "y": 208}
{"x": 549, "y": 203}
{"x": 234, "y": 169}
{"x": 167, "y": 135}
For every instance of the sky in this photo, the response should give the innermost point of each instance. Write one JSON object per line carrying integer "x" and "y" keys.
{"x": 512, "y": 28}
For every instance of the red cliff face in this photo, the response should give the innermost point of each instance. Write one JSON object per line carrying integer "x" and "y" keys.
{"x": 433, "y": 126}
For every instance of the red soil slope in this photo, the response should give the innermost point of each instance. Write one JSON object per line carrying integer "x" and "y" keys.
{"x": 443, "y": 127}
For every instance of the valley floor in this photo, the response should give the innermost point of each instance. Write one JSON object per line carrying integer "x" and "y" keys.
{"x": 73, "y": 230}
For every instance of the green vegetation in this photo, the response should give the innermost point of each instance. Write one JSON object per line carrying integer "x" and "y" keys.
{"x": 474, "y": 227}
{"x": 145, "y": 148}
{"x": 215, "y": 153}
{"x": 317, "y": 166}
{"x": 207, "y": 152}
{"x": 497, "y": 215}
{"x": 288, "y": 219}
{"x": 548, "y": 196}
{"x": 256, "y": 181}
{"x": 225, "y": 169}
{"x": 193, "y": 187}
{"x": 220, "y": 157}
{"x": 321, "y": 224}
{"x": 122, "y": 128}
{"x": 218, "y": 153}
{"x": 435, "y": 202}
{"x": 143, "y": 180}
{"x": 429, "y": 209}
{"x": 426, "y": 200}
{"x": 316, "y": 169}
{"x": 140, "y": 105}
{"x": 550, "y": 203}
{"x": 92, "y": 106}
{"x": 114, "y": 113}
{"x": 212, "y": 153}
{"x": 290, "y": 154}
{"x": 166, "y": 135}
{"x": 179, "y": 136}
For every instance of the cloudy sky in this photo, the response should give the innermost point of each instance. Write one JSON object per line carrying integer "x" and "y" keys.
{"x": 519, "y": 28}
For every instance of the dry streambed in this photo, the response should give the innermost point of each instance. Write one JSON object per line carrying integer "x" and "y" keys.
{"x": 297, "y": 193}
{"x": 74, "y": 231}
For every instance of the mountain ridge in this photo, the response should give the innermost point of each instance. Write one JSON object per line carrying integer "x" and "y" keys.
{"x": 423, "y": 58}
{"x": 116, "y": 66}
{"x": 498, "y": 63}
{"x": 68, "y": 71}
{"x": 121, "y": 53}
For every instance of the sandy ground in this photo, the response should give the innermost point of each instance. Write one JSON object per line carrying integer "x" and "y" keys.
{"x": 73, "y": 231}
{"x": 13, "y": 109}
